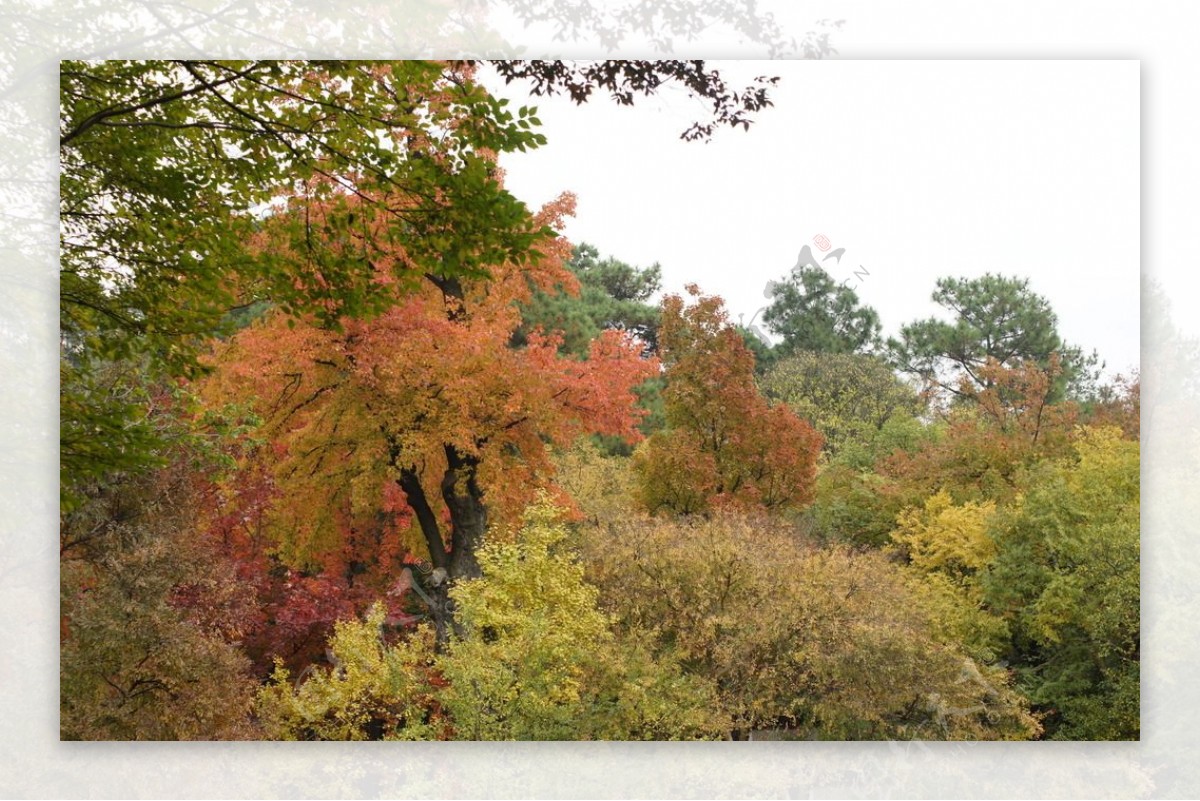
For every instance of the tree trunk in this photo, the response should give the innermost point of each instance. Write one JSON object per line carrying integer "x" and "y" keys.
{"x": 440, "y": 608}
{"x": 468, "y": 515}
{"x": 468, "y": 523}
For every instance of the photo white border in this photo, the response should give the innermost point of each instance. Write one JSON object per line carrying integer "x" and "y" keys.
{"x": 35, "y": 764}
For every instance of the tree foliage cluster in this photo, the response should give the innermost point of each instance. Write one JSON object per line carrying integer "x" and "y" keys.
{"x": 954, "y": 505}
{"x": 724, "y": 444}
{"x": 611, "y": 295}
{"x": 167, "y": 167}
{"x": 340, "y": 462}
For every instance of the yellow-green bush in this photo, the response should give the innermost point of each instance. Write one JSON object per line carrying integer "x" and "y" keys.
{"x": 539, "y": 660}
{"x": 831, "y": 643}
{"x": 534, "y": 659}
{"x": 372, "y": 690}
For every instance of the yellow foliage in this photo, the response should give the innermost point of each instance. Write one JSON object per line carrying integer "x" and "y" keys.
{"x": 372, "y": 691}
{"x": 948, "y": 546}
{"x": 948, "y": 539}
{"x": 674, "y": 475}
{"x": 535, "y": 660}
{"x": 539, "y": 659}
{"x": 601, "y": 486}
{"x": 958, "y": 615}
{"x": 828, "y": 642}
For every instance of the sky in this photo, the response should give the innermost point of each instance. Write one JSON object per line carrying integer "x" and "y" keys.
{"x": 917, "y": 169}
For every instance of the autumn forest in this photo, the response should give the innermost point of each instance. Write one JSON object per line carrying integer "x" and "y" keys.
{"x": 357, "y": 446}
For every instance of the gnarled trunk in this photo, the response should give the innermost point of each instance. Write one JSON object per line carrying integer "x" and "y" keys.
{"x": 468, "y": 522}
{"x": 468, "y": 515}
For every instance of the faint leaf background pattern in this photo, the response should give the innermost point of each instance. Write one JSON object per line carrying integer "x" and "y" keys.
{"x": 38, "y": 34}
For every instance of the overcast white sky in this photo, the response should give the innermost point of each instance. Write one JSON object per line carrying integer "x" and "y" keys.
{"x": 919, "y": 169}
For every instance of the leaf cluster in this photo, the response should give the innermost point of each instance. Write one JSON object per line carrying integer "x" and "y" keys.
{"x": 1066, "y": 576}
{"x": 725, "y": 444}
{"x": 151, "y": 617}
{"x": 847, "y": 397}
{"x": 170, "y": 168}
{"x": 537, "y": 661}
{"x": 606, "y": 294}
{"x": 625, "y": 80}
{"x": 826, "y": 643}
{"x": 814, "y": 313}
{"x": 994, "y": 318}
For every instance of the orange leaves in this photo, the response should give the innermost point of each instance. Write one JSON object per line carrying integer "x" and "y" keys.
{"x": 986, "y": 446}
{"x": 727, "y": 446}
{"x": 382, "y": 397}
{"x": 554, "y": 215}
{"x": 596, "y": 394}
{"x": 1119, "y": 404}
{"x": 1017, "y": 399}
{"x": 778, "y": 450}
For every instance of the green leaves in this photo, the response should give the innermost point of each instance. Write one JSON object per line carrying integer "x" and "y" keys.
{"x": 813, "y": 313}
{"x": 172, "y": 171}
{"x": 847, "y": 397}
{"x": 997, "y": 318}
{"x": 1067, "y": 577}
{"x": 611, "y": 294}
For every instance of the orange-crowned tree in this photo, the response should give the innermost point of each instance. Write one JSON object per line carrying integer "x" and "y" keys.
{"x": 726, "y": 444}
{"x": 425, "y": 410}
